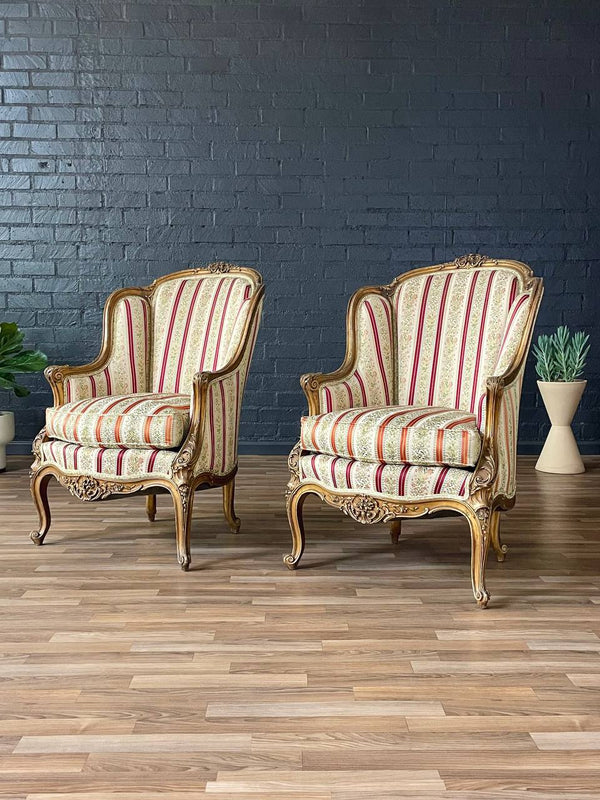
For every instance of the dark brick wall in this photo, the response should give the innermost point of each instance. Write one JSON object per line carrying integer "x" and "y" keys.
{"x": 330, "y": 144}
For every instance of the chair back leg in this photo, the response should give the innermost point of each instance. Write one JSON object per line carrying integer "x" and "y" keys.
{"x": 228, "y": 507}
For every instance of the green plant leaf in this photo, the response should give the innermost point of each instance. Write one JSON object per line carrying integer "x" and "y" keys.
{"x": 26, "y": 361}
{"x": 14, "y": 359}
{"x": 562, "y": 355}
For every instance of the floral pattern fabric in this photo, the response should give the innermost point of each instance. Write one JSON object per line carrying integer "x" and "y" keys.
{"x": 396, "y": 435}
{"x": 135, "y": 420}
{"x": 407, "y": 482}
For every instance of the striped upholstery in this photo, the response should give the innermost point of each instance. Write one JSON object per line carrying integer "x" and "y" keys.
{"x": 104, "y": 462}
{"x": 197, "y": 325}
{"x": 127, "y": 368}
{"x": 450, "y": 329}
{"x": 371, "y": 382}
{"x": 219, "y": 446}
{"x": 507, "y": 438}
{"x": 395, "y": 435}
{"x": 406, "y": 482}
{"x": 135, "y": 420}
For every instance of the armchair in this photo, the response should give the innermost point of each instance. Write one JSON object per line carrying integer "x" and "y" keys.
{"x": 421, "y": 418}
{"x": 158, "y": 410}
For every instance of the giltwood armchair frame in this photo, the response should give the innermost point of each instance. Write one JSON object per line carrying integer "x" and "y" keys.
{"x": 483, "y": 504}
{"x": 183, "y": 482}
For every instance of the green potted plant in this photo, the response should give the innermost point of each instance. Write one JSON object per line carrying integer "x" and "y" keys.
{"x": 14, "y": 360}
{"x": 560, "y": 362}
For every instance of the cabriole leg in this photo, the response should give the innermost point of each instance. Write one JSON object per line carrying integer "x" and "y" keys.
{"x": 183, "y": 500}
{"x": 480, "y": 542}
{"x": 228, "y": 507}
{"x": 395, "y": 530}
{"x": 39, "y": 493}
{"x": 151, "y": 507}
{"x": 495, "y": 540}
{"x": 294, "y": 510}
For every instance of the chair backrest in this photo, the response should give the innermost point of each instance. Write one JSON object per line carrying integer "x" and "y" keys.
{"x": 446, "y": 330}
{"x": 198, "y": 319}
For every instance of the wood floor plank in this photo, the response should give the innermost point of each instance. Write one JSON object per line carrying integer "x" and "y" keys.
{"x": 368, "y": 673}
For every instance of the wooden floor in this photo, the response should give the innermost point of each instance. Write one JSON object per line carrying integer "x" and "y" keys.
{"x": 369, "y": 673}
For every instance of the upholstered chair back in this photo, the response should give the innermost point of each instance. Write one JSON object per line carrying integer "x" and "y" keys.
{"x": 433, "y": 338}
{"x": 452, "y": 329}
{"x": 197, "y": 324}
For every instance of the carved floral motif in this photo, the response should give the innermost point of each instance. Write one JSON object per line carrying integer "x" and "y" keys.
{"x": 294, "y": 467}
{"x": 369, "y": 510}
{"x": 470, "y": 260}
{"x": 88, "y": 488}
{"x": 220, "y": 266}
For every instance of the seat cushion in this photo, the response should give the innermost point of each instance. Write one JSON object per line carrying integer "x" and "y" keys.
{"x": 158, "y": 421}
{"x": 108, "y": 462}
{"x": 396, "y": 435}
{"x": 406, "y": 481}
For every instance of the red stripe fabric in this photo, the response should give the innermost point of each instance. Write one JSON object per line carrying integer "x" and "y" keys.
{"x": 131, "y": 346}
{"x": 377, "y": 342}
{"x": 186, "y": 331}
{"x": 481, "y": 339}
{"x": 438, "y": 339}
{"x": 208, "y": 332}
{"x": 465, "y": 331}
{"x": 419, "y": 339}
{"x": 170, "y": 329}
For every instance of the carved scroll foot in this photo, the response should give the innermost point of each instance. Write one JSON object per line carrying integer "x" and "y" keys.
{"x": 228, "y": 507}
{"x": 395, "y": 530}
{"x": 495, "y": 540}
{"x": 294, "y": 509}
{"x": 151, "y": 507}
{"x": 39, "y": 493}
{"x": 480, "y": 542}
{"x": 183, "y": 500}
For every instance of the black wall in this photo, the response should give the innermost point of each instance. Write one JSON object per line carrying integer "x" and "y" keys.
{"x": 329, "y": 144}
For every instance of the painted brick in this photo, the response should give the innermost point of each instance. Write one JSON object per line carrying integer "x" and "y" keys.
{"x": 328, "y": 144}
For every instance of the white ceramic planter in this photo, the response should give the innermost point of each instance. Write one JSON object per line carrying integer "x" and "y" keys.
{"x": 7, "y": 434}
{"x": 560, "y": 453}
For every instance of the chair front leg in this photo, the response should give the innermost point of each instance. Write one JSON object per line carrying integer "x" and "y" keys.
{"x": 183, "y": 500}
{"x": 39, "y": 493}
{"x": 151, "y": 507}
{"x": 228, "y": 507}
{"x": 479, "y": 522}
{"x": 295, "y": 504}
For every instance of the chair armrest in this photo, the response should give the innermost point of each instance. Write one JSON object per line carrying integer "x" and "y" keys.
{"x": 365, "y": 377}
{"x": 122, "y": 363}
{"x": 315, "y": 386}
